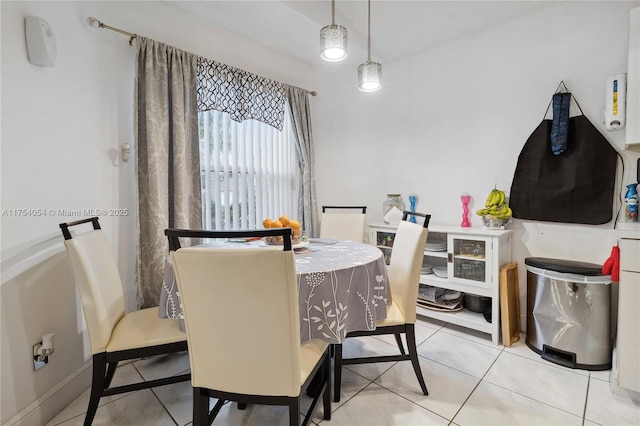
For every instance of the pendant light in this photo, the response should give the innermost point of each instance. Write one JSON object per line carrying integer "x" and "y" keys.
{"x": 369, "y": 73}
{"x": 333, "y": 39}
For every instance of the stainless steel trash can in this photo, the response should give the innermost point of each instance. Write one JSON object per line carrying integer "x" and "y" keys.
{"x": 569, "y": 313}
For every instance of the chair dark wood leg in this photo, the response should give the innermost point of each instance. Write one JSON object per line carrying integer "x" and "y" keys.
{"x": 315, "y": 387}
{"x": 337, "y": 368}
{"x": 216, "y": 409}
{"x": 97, "y": 385}
{"x": 111, "y": 371}
{"x": 326, "y": 397}
{"x": 294, "y": 411}
{"x": 322, "y": 382}
{"x": 413, "y": 354}
{"x": 200, "y": 407}
{"x": 400, "y": 345}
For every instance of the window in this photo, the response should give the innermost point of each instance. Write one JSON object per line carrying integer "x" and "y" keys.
{"x": 249, "y": 171}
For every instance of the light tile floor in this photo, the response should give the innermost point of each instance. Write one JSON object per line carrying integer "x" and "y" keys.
{"x": 470, "y": 381}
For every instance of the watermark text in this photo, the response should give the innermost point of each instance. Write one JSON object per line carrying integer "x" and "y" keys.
{"x": 87, "y": 212}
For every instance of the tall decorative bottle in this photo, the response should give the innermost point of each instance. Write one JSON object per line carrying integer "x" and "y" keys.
{"x": 413, "y": 201}
{"x": 465, "y": 198}
{"x": 631, "y": 203}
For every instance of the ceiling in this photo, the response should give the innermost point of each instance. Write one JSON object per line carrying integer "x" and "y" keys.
{"x": 399, "y": 28}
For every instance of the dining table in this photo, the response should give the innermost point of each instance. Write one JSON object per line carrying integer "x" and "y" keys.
{"x": 343, "y": 286}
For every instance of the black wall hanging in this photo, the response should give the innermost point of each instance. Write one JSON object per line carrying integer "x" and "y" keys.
{"x": 566, "y": 171}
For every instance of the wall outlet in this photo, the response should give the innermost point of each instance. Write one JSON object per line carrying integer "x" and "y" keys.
{"x": 39, "y": 361}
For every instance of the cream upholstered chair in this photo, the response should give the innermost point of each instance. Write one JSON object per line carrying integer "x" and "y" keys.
{"x": 242, "y": 319}
{"x": 114, "y": 335}
{"x": 343, "y": 222}
{"x": 404, "y": 279}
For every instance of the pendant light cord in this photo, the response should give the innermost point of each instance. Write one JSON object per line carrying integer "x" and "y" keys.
{"x": 369, "y": 30}
{"x": 333, "y": 12}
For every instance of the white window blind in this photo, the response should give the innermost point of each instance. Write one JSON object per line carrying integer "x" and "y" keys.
{"x": 249, "y": 171}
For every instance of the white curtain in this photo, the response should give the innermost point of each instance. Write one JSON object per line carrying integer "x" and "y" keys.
{"x": 249, "y": 172}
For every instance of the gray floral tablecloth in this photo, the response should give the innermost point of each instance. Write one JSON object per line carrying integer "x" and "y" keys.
{"x": 343, "y": 286}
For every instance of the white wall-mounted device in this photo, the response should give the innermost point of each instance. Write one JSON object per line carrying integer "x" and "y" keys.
{"x": 42, "y": 351}
{"x": 125, "y": 149}
{"x": 41, "y": 43}
{"x": 615, "y": 102}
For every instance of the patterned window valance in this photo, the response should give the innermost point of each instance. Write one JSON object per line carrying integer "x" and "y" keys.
{"x": 240, "y": 93}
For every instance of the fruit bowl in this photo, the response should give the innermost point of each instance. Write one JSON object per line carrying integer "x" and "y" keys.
{"x": 492, "y": 222}
{"x": 283, "y": 222}
{"x": 278, "y": 241}
{"x": 497, "y": 213}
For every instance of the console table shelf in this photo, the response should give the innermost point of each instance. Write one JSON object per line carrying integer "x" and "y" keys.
{"x": 473, "y": 258}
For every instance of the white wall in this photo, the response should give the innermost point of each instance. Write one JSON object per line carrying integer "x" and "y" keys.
{"x": 454, "y": 119}
{"x": 61, "y": 128}
{"x": 58, "y": 128}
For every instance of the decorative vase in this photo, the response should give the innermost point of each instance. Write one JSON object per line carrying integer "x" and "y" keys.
{"x": 393, "y": 200}
{"x": 413, "y": 201}
{"x": 465, "y": 198}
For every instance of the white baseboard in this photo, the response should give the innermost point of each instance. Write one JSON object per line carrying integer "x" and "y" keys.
{"x": 51, "y": 403}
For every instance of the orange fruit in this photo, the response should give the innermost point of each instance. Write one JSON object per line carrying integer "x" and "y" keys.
{"x": 284, "y": 220}
{"x": 267, "y": 223}
{"x": 277, "y": 224}
{"x": 294, "y": 224}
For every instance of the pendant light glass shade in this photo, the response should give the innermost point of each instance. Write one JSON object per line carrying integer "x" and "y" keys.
{"x": 333, "y": 43}
{"x": 370, "y": 76}
{"x": 333, "y": 39}
{"x": 369, "y": 73}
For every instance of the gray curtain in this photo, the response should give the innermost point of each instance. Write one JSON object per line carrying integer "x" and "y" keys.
{"x": 168, "y": 158}
{"x": 300, "y": 110}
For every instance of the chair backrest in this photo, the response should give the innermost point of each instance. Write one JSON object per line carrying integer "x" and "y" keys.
{"x": 195, "y": 236}
{"x": 404, "y": 267}
{"x": 406, "y": 215}
{"x": 242, "y": 318}
{"x": 98, "y": 281}
{"x": 344, "y": 223}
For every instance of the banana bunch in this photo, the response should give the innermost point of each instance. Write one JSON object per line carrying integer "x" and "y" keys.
{"x": 495, "y": 206}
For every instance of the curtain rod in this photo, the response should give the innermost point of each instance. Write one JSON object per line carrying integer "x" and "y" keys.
{"x": 95, "y": 23}
{"x": 99, "y": 24}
